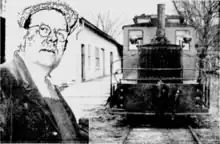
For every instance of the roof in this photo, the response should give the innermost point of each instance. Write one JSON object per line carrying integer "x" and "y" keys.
{"x": 153, "y": 21}
{"x": 102, "y": 34}
{"x": 150, "y": 24}
{"x": 153, "y": 16}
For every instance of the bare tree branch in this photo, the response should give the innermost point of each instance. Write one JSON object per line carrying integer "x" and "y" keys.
{"x": 201, "y": 15}
{"x": 110, "y": 26}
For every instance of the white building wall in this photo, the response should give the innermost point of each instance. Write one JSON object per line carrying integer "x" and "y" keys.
{"x": 88, "y": 37}
{"x": 70, "y": 69}
{"x": 66, "y": 71}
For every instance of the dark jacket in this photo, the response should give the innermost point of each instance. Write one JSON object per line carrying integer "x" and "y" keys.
{"x": 24, "y": 114}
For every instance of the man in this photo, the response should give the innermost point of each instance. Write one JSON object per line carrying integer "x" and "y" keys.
{"x": 31, "y": 108}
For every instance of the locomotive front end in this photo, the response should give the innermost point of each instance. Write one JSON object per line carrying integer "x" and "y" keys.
{"x": 160, "y": 86}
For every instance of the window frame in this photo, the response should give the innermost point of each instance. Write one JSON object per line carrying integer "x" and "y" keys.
{"x": 97, "y": 58}
{"x": 176, "y": 38}
{"x": 89, "y": 56}
{"x": 128, "y": 38}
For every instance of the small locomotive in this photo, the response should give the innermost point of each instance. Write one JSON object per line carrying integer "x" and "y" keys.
{"x": 160, "y": 72}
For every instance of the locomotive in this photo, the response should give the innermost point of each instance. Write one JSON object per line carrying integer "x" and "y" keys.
{"x": 160, "y": 72}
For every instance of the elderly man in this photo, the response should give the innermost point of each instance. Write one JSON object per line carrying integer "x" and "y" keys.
{"x": 31, "y": 108}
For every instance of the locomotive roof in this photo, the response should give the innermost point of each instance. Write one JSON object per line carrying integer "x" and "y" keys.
{"x": 152, "y": 21}
{"x": 154, "y": 16}
{"x": 154, "y": 25}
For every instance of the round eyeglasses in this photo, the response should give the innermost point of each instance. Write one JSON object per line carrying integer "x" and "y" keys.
{"x": 45, "y": 31}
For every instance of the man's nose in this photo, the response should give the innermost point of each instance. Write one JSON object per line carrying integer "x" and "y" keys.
{"x": 52, "y": 37}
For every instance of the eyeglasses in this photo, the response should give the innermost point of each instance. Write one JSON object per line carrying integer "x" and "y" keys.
{"x": 45, "y": 31}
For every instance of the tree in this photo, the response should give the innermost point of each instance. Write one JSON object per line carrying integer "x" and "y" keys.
{"x": 110, "y": 26}
{"x": 201, "y": 15}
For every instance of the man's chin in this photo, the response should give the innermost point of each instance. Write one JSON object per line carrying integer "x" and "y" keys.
{"x": 47, "y": 66}
{"x": 50, "y": 63}
{"x": 46, "y": 59}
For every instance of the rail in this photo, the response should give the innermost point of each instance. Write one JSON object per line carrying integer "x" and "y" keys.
{"x": 193, "y": 134}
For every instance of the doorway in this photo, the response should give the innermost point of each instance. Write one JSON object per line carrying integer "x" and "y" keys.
{"x": 103, "y": 61}
{"x": 111, "y": 60}
{"x": 83, "y": 62}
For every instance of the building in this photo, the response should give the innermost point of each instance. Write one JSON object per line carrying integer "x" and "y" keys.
{"x": 89, "y": 54}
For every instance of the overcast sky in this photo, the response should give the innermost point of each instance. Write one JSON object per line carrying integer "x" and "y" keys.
{"x": 125, "y": 9}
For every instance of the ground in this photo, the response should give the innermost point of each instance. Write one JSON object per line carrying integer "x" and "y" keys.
{"x": 88, "y": 99}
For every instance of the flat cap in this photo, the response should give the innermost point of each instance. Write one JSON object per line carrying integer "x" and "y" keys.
{"x": 70, "y": 15}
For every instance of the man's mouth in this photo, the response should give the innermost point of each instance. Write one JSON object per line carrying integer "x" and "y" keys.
{"x": 48, "y": 50}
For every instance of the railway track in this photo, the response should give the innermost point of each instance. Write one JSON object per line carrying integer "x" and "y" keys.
{"x": 136, "y": 135}
{"x": 194, "y": 135}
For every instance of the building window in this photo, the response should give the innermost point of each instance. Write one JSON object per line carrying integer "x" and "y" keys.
{"x": 180, "y": 34}
{"x": 135, "y": 37}
{"x": 89, "y": 56}
{"x": 97, "y": 57}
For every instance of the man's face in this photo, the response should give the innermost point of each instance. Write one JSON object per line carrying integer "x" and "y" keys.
{"x": 46, "y": 38}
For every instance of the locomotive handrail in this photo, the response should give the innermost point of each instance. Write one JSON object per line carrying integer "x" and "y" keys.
{"x": 156, "y": 69}
{"x": 123, "y": 112}
{"x": 111, "y": 68}
{"x": 116, "y": 72}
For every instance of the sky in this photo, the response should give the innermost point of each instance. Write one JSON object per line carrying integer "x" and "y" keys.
{"x": 124, "y": 9}
{"x": 127, "y": 9}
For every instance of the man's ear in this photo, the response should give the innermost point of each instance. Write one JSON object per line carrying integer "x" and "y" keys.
{"x": 22, "y": 45}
